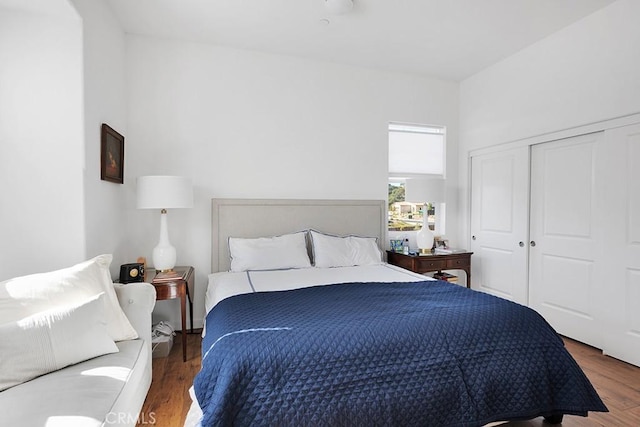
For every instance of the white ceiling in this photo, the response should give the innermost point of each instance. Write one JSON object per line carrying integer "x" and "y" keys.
{"x": 449, "y": 39}
{"x": 59, "y": 8}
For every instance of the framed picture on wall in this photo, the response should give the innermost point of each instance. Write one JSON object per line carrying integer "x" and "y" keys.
{"x": 111, "y": 155}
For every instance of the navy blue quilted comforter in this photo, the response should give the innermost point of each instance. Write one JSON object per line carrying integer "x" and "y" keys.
{"x": 428, "y": 353}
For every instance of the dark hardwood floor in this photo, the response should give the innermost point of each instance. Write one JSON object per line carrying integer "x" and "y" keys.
{"x": 618, "y": 384}
{"x": 168, "y": 400}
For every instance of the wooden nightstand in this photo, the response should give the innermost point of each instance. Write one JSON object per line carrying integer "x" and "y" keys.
{"x": 435, "y": 262}
{"x": 181, "y": 287}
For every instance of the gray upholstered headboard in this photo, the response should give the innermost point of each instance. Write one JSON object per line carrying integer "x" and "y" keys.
{"x": 273, "y": 217}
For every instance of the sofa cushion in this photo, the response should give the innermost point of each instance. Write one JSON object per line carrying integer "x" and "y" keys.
{"x": 51, "y": 340}
{"x": 24, "y": 296}
{"x": 106, "y": 390}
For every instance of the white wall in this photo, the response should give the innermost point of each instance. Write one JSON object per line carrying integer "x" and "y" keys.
{"x": 62, "y": 76}
{"x": 246, "y": 124}
{"x": 104, "y": 102}
{"x": 585, "y": 73}
{"x": 42, "y": 214}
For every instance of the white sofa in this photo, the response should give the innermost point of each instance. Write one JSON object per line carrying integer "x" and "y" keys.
{"x": 102, "y": 391}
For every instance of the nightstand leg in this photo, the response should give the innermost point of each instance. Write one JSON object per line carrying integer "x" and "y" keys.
{"x": 183, "y": 314}
{"x": 191, "y": 315}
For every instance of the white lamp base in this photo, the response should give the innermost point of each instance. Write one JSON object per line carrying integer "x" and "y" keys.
{"x": 164, "y": 254}
{"x": 164, "y": 258}
{"x": 424, "y": 239}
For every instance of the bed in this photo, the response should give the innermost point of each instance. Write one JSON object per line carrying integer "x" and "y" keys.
{"x": 290, "y": 341}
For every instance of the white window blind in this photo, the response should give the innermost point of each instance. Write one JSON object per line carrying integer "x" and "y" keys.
{"x": 416, "y": 150}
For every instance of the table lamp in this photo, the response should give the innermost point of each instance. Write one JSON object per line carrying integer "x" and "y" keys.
{"x": 424, "y": 190}
{"x": 164, "y": 192}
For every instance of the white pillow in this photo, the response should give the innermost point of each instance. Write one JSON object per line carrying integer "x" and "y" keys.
{"x": 27, "y": 295}
{"x": 346, "y": 251}
{"x": 269, "y": 253}
{"x": 51, "y": 340}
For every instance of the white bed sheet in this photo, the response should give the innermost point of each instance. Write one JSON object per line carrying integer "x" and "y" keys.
{"x": 225, "y": 284}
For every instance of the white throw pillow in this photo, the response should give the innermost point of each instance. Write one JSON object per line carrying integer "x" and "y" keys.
{"x": 269, "y": 253}
{"x": 27, "y": 295}
{"x": 344, "y": 251}
{"x": 51, "y": 340}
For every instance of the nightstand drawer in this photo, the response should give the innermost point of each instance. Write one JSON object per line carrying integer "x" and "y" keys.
{"x": 457, "y": 263}
{"x": 432, "y": 264}
{"x": 167, "y": 291}
{"x": 436, "y": 262}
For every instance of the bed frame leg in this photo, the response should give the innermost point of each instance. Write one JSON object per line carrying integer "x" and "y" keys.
{"x": 554, "y": 419}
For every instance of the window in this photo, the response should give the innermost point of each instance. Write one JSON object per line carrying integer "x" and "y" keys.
{"x": 415, "y": 151}
{"x": 407, "y": 215}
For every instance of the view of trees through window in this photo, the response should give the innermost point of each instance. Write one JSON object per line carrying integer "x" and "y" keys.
{"x": 406, "y": 216}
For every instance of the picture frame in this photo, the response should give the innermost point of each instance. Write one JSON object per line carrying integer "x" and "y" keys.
{"x": 111, "y": 155}
{"x": 442, "y": 243}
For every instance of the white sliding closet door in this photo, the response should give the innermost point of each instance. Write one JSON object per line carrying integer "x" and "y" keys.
{"x": 499, "y": 223}
{"x": 621, "y": 220}
{"x": 567, "y": 235}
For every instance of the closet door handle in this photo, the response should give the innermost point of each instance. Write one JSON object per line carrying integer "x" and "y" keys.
{"x": 532, "y": 243}
{"x": 521, "y": 244}
{"x": 473, "y": 237}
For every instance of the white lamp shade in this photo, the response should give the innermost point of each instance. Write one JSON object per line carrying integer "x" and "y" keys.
{"x": 164, "y": 192}
{"x": 424, "y": 190}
